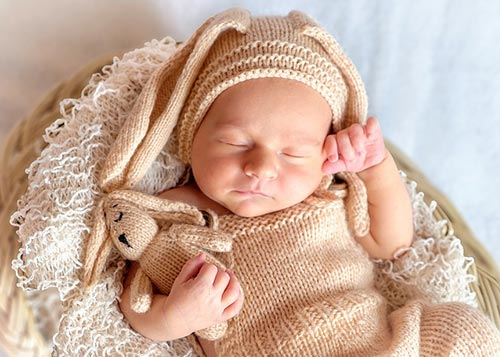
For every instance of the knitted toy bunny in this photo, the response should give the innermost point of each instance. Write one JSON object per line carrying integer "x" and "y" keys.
{"x": 161, "y": 235}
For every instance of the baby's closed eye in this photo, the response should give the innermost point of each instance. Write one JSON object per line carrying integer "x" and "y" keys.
{"x": 234, "y": 143}
{"x": 295, "y": 155}
{"x": 233, "y": 139}
{"x": 300, "y": 151}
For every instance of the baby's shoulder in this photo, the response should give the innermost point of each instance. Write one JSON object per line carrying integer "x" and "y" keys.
{"x": 191, "y": 194}
{"x": 186, "y": 194}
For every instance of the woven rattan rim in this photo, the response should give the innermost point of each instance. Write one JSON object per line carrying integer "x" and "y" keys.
{"x": 18, "y": 333}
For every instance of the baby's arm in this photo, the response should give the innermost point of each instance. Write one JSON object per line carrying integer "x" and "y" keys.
{"x": 362, "y": 150}
{"x": 201, "y": 296}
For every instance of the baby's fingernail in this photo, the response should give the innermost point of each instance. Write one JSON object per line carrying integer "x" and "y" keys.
{"x": 333, "y": 158}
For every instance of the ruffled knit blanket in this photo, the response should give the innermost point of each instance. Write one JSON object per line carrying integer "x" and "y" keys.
{"x": 54, "y": 218}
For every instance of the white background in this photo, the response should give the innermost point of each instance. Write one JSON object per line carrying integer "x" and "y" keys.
{"x": 431, "y": 70}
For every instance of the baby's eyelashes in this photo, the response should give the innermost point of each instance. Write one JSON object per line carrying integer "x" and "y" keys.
{"x": 234, "y": 144}
{"x": 234, "y": 140}
{"x": 237, "y": 145}
{"x": 294, "y": 155}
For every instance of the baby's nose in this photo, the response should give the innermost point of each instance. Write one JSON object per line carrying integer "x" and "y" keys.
{"x": 261, "y": 164}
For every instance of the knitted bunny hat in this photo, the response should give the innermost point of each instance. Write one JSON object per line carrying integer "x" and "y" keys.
{"x": 227, "y": 49}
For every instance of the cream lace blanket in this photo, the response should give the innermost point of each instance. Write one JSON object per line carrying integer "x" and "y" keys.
{"x": 54, "y": 218}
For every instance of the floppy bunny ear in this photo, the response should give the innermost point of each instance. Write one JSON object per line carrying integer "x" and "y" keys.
{"x": 357, "y": 102}
{"x": 98, "y": 248}
{"x": 157, "y": 109}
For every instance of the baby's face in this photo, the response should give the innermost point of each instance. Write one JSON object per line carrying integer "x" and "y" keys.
{"x": 260, "y": 147}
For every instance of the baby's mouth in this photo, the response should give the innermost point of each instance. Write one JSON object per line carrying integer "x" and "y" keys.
{"x": 250, "y": 193}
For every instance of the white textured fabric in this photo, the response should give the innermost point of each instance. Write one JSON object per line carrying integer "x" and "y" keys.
{"x": 55, "y": 215}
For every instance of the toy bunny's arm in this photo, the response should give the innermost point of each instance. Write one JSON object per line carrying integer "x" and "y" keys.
{"x": 141, "y": 292}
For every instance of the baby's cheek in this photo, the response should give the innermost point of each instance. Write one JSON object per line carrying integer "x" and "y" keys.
{"x": 221, "y": 171}
{"x": 300, "y": 182}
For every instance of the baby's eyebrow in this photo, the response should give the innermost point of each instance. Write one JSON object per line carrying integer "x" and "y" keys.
{"x": 305, "y": 140}
{"x": 227, "y": 126}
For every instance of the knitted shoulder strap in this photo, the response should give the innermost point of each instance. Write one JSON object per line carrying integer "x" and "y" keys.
{"x": 355, "y": 198}
{"x": 155, "y": 112}
{"x": 356, "y": 204}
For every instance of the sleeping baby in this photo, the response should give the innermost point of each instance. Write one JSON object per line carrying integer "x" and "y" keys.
{"x": 269, "y": 115}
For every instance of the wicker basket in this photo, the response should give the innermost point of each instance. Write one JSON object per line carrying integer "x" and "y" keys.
{"x": 18, "y": 332}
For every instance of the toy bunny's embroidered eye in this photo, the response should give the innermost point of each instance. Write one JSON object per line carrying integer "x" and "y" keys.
{"x": 209, "y": 222}
{"x": 123, "y": 239}
{"x": 114, "y": 206}
{"x": 119, "y": 218}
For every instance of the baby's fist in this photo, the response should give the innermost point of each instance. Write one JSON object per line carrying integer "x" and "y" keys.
{"x": 355, "y": 148}
{"x": 204, "y": 296}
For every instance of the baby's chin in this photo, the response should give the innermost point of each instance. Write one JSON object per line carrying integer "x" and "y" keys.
{"x": 252, "y": 209}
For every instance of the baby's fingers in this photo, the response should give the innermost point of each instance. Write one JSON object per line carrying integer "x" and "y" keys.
{"x": 345, "y": 146}
{"x": 333, "y": 167}
{"x": 208, "y": 273}
{"x": 221, "y": 280}
{"x": 358, "y": 138}
{"x": 191, "y": 269}
{"x": 331, "y": 148}
{"x": 232, "y": 292}
{"x": 373, "y": 129}
{"x": 233, "y": 309}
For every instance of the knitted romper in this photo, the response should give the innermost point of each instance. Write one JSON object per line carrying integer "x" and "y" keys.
{"x": 309, "y": 291}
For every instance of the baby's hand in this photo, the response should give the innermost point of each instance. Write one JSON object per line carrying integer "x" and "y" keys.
{"x": 355, "y": 148}
{"x": 203, "y": 295}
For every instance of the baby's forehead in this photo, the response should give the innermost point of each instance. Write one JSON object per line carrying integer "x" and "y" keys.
{"x": 285, "y": 102}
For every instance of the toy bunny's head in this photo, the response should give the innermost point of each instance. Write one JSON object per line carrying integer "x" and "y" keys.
{"x": 120, "y": 223}
{"x": 128, "y": 220}
{"x": 130, "y": 228}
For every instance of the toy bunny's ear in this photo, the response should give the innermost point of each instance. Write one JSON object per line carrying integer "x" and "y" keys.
{"x": 158, "y": 107}
{"x": 357, "y": 102}
{"x": 97, "y": 249}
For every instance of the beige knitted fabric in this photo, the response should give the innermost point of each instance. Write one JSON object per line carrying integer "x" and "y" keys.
{"x": 309, "y": 287}
{"x": 229, "y": 48}
{"x": 309, "y": 292}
